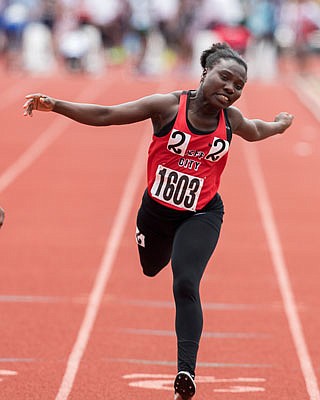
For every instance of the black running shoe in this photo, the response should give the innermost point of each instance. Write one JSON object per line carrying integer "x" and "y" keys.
{"x": 184, "y": 385}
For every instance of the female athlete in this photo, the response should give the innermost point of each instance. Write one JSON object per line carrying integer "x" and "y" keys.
{"x": 181, "y": 210}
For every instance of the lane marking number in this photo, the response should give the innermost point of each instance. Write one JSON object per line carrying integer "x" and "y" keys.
{"x": 221, "y": 385}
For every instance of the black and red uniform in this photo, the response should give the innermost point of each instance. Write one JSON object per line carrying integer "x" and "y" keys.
{"x": 185, "y": 165}
{"x": 181, "y": 215}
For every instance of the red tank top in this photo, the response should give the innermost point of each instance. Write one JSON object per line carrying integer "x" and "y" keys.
{"x": 185, "y": 165}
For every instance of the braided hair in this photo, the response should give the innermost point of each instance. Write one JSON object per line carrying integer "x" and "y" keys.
{"x": 213, "y": 55}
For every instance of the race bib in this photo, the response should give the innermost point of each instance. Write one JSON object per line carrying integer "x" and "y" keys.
{"x": 219, "y": 148}
{"x": 177, "y": 188}
{"x": 178, "y": 142}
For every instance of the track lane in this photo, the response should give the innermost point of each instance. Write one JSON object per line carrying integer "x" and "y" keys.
{"x": 133, "y": 332}
{"x": 137, "y": 340}
{"x": 59, "y": 214}
{"x": 295, "y": 194}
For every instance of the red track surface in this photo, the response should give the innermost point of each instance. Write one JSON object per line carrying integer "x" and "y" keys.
{"x": 63, "y": 204}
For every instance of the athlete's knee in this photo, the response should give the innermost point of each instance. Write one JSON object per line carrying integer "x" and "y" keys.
{"x": 149, "y": 271}
{"x": 149, "y": 267}
{"x": 151, "y": 263}
{"x": 185, "y": 288}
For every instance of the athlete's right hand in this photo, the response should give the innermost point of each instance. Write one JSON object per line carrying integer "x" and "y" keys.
{"x": 39, "y": 102}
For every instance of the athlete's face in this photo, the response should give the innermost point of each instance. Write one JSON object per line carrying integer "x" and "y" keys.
{"x": 222, "y": 84}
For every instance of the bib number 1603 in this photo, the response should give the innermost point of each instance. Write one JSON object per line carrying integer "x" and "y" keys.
{"x": 176, "y": 188}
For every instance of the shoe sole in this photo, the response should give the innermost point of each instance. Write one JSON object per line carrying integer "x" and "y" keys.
{"x": 184, "y": 385}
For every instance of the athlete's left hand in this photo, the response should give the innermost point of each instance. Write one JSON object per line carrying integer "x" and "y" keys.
{"x": 285, "y": 120}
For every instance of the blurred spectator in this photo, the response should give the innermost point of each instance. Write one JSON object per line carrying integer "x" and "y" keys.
{"x": 48, "y": 13}
{"x": 81, "y": 49}
{"x": 38, "y": 46}
{"x": 141, "y": 23}
{"x": 15, "y": 17}
{"x": 262, "y": 51}
{"x": 165, "y": 15}
{"x": 237, "y": 36}
{"x": 110, "y": 17}
{"x": 226, "y": 20}
{"x": 183, "y": 29}
{"x": 153, "y": 35}
{"x": 78, "y": 37}
{"x": 219, "y": 21}
{"x": 299, "y": 20}
{"x": 220, "y": 12}
{"x": 38, "y": 55}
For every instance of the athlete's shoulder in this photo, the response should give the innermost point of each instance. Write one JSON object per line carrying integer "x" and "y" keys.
{"x": 174, "y": 97}
{"x": 165, "y": 99}
{"x": 234, "y": 116}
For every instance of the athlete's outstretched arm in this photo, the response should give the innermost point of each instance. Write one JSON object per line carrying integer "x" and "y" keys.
{"x": 99, "y": 115}
{"x": 257, "y": 129}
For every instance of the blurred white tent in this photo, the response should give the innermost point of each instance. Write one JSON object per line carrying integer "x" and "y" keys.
{"x": 37, "y": 49}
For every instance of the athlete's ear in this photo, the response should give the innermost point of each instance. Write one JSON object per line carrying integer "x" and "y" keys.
{"x": 204, "y": 73}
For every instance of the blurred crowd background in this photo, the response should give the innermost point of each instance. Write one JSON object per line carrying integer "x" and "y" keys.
{"x": 155, "y": 36}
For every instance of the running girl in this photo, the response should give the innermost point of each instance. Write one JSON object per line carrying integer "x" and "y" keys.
{"x": 181, "y": 210}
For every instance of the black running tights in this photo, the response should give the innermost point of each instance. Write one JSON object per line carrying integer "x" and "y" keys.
{"x": 188, "y": 239}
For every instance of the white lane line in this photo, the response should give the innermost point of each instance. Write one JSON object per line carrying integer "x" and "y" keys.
{"x": 307, "y": 94}
{"x": 44, "y": 140}
{"x": 29, "y": 299}
{"x": 207, "y": 335}
{"x": 32, "y": 153}
{"x": 102, "y": 277}
{"x": 17, "y": 360}
{"x": 200, "y": 364}
{"x": 206, "y": 306}
{"x": 274, "y": 243}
